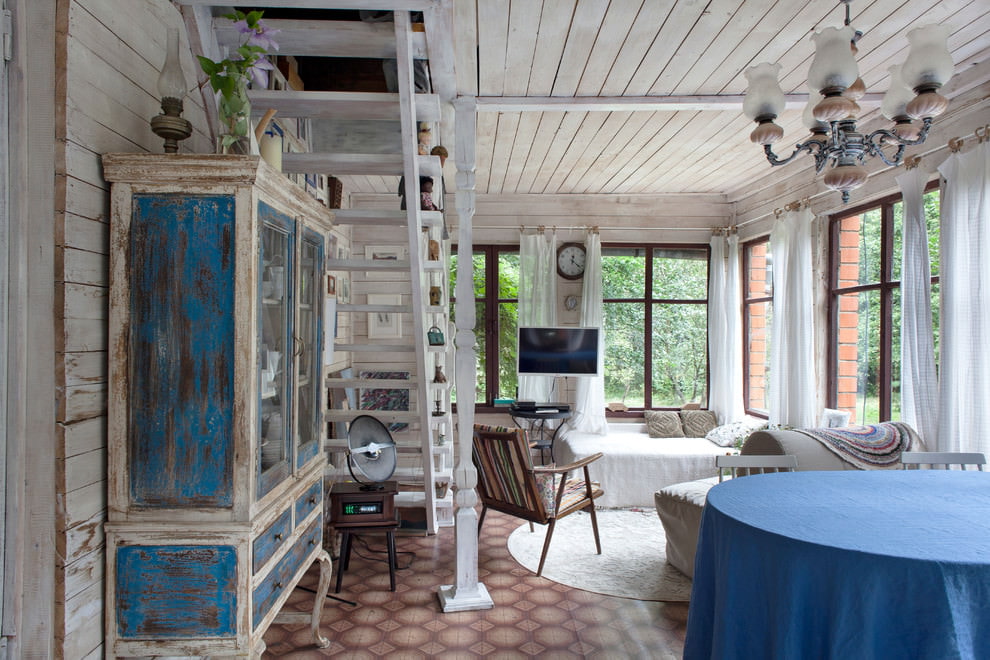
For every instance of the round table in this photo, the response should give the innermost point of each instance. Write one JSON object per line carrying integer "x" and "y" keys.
{"x": 844, "y": 564}
{"x": 541, "y": 416}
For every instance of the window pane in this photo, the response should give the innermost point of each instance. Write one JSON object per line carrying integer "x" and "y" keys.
{"x": 858, "y": 356}
{"x": 479, "y": 274}
{"x": 624, "y": 353}
{"x": 759, "y": 280}
{"x": 508, "y": 314}
{"x": 932, "y": 201}
{"x": 508, "y": 274}
{"x": 680, "y": 274}
{"x": 680, "y": 355}
{"x": 759, "y": 318}
{"x": 859, "y": 249}
{"x": 623, "y": 273}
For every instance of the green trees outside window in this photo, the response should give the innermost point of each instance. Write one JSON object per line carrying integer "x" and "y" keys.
{"x": 865, "y": 341}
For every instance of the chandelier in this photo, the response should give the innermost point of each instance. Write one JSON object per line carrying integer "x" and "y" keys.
{"x": 835, "y": 86}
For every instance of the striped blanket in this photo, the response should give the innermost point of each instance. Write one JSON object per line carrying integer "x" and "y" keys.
{"x": 866, "y": 447}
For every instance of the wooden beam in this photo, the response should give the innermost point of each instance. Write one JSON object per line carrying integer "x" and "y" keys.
{"x": 318, "y": 38}
{"x": 396, "y": 5}
{"x": 341, "y": 105}
{"x": 691, "y": 103}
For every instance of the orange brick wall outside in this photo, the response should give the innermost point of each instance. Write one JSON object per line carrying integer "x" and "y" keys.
{"x": 756, "y": 287}
{"x": 847, "y": 350}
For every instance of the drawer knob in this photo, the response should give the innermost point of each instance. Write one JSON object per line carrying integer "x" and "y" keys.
{"x": 312, "y": 541}
{"x": 278, "y": 585}
{"x": 278, "y": 537}
{"x": 312, "y": 500}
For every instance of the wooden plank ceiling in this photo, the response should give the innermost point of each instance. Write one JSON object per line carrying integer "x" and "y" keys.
{"x": 578, "y": 96}
{"x": 564, "y": 49}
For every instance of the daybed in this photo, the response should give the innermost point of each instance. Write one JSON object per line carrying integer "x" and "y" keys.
{"x": 634, "y": 465}
{"x": 679, "y": 506}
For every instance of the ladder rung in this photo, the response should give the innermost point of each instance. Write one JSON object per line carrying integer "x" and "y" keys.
{"x": 368, "y": 264}
{"x": 378, "y": 348}
{"x": 391, "y": 383}
{"x": 337, "y": 164}
{"x": 398, "y": 309}
{"x": 341, "y": 105}
{"x": 403, "y": 416}
{"x": 376, "y": 217}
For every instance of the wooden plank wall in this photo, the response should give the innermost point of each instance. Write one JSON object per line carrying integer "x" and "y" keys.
{"x": 109, "y": 56}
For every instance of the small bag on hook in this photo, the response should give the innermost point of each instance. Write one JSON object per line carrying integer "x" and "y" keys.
{"x": 435, "y": 336}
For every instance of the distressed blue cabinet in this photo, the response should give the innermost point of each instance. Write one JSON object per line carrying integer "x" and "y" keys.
{"x": 216, "y": 336}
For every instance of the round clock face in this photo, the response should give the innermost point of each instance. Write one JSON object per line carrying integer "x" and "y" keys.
{"x": 570, "y": 260}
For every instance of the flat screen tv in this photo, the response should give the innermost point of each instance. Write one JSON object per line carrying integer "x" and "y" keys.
{"x": 558, "y": 351}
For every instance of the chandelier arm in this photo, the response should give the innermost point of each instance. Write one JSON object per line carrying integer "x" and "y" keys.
{"x": 876, "y": 140}
{"x": 813, "y": 147}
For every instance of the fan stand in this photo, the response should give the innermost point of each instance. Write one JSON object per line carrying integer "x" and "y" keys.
{"x": 353, "y": 510}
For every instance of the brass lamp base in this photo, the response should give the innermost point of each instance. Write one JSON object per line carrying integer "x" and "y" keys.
{"x": 171, "y": 126}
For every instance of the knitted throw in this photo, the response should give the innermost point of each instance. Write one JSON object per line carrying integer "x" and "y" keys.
{"x": 866, "y": 447}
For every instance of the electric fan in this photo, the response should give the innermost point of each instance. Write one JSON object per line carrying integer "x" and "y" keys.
{"x": 371, "y": 450}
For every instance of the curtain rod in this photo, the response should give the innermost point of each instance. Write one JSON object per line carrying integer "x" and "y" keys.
{"x": 590, "y": 227}
{"x": 981, "y": 133}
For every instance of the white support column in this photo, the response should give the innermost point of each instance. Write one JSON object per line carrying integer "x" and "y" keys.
{"x": 466, "y": 593}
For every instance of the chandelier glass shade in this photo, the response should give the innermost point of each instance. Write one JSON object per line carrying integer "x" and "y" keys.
{"x": 911, "y": 102}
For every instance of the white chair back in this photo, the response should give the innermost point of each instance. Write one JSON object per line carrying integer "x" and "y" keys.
{"x": 943, "y": 459}
{"x": 754, "y": 464}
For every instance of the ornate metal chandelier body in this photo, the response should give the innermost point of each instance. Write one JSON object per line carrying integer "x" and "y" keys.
{"x": 835, "y": 86}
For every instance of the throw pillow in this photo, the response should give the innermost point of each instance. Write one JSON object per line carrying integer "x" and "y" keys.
{"x": 663, "y": 424}
{"x": 735, "y": 433}
{"x": 697, "y": 423}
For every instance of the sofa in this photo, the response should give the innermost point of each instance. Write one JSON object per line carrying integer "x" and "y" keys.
{"x": 680, "y": 505}
{"x": 637, "y": 459}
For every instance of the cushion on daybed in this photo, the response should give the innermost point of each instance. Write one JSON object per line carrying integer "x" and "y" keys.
{"x": 663, "y": 424}
{"x": 697, "y": 423}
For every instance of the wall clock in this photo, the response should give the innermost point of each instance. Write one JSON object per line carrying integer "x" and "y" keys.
{"x": 570, "y": 261}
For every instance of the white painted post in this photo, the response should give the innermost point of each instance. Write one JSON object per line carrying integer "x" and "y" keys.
{"x": 466, "y": 593}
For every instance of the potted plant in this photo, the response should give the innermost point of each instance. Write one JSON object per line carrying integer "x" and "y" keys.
{"x": 230, "y": 76}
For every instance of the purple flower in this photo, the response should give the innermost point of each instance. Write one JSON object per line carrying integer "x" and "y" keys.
{"x": 259, "y": 72}
{"x": 262, "y": 36}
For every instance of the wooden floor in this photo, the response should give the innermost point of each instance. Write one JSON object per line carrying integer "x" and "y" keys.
{"x": 532, "y": 617}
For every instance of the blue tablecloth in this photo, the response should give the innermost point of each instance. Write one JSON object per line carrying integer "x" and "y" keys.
{"x": 844, "y": 564}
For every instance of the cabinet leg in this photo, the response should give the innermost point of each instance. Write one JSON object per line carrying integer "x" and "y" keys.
{"x": 321, "y": 597}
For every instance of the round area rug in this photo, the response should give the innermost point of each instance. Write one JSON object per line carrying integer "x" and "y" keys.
{"x": 633, "y": 563}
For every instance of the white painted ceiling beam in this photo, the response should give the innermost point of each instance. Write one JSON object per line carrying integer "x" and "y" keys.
{"x": 411, "y": 5}
{"x": 316, "y": 38}
{"x": 341, "y": 105}
{"x": 691, "y": 103}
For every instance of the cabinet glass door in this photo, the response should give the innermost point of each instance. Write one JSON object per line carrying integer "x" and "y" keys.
{"x": 274, "y": 348}
{"x": 310, "y": 295}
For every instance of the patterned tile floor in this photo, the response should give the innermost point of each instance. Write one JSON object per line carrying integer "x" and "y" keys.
{"x": 532, "y": 617}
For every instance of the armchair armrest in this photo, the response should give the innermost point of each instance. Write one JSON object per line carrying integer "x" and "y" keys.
{"x": 563, "y": 469}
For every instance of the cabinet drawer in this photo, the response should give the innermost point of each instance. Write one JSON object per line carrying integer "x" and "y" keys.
{"x": 270, "y": 540}
{"x": 309, "y": 500}
{"x": 267, "y": 593}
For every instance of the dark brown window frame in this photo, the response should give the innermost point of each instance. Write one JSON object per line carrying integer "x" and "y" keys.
{"x": 648, "y": 302}
{"x": 886, "y": 287}
{"x": 745, "y": 322}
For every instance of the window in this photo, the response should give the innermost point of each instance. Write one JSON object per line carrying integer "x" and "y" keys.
{"x": 496, "y": 295}
{"x": 865, "y": 307}
{"x": 656, "y": 325}
{"x": 757, "y": 317}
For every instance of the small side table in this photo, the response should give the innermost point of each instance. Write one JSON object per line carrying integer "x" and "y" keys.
{"x": 540, "y": 424}
{"x": 357, "y": 511}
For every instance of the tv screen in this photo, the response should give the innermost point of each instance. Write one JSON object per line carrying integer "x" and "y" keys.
{"x": 558, "y": 351}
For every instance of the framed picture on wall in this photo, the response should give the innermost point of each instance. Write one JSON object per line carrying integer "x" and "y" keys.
{"x": 384, "y": 324}
{"x": 383, "y": 253}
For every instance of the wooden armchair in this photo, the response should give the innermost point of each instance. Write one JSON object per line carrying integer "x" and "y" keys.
{"x": 508, "y": 482}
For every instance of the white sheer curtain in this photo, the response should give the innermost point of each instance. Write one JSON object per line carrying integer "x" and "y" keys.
{"x": 919, "y": 380}
{"x": 792, "y": 363}
{"x": 537, "y": 301}
{"x": 964, "y": 387}
{"x": 724, "y": 322}
{"x": 589, "y": 399}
